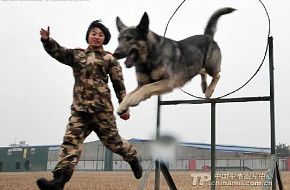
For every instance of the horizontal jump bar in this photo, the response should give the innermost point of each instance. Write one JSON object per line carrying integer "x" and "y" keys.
{"x": 216, "y": 100}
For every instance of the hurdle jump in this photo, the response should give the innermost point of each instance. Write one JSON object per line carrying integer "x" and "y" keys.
{"x": 274, "y": 171}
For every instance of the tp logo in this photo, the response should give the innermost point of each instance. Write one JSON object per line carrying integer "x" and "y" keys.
{"x": 200, "y": 178}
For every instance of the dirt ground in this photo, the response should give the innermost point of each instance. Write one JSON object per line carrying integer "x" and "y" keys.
{"x": 120, "y": 181}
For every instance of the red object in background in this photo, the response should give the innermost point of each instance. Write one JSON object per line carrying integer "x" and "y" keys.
{"x": 205, "y": 168}
{"x": 288, "y": 164}
{"x": 192, "y": 165}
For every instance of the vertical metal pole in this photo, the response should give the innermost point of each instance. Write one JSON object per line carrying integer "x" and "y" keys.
{"x": 157, "y": 164}
{"x": 213, "y": 146}
{"x": 272, "y": 105}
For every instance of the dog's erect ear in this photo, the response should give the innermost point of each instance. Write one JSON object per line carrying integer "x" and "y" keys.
{"x": 120, "y": 24}
{"x": 144, "y": 23}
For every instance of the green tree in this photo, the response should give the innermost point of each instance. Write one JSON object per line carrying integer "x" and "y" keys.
{"x": 282, "y": 150}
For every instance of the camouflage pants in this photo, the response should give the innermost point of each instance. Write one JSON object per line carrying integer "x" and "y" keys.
{"x": 81, "y": 124}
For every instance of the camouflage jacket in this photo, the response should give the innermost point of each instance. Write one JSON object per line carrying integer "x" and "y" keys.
{"x": 91, "y": 70}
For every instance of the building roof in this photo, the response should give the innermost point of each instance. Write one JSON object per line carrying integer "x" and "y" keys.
{"x": 221, "y": 148}
{"x": 224, "y": 148}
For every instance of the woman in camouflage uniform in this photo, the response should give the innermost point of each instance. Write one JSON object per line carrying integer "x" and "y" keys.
{"x": 92, "y": 109}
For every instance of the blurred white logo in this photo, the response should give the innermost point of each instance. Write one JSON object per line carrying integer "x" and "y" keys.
{"x": 164, "y": 148}
{"x": 199, "y": 179}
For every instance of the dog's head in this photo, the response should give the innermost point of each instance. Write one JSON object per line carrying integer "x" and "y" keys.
{"x": 132, "y": 41}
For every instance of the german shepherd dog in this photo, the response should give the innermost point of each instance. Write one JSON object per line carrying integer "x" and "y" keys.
{"x": 163, "y": 64}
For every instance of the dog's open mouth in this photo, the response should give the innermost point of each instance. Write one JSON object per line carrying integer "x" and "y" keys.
{"x": 131, "y": 58}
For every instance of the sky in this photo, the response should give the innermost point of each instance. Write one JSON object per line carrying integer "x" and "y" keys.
{"x": 36, "y": 90}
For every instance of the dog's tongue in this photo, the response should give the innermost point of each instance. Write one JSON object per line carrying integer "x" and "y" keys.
{"x": 129, "y": 62}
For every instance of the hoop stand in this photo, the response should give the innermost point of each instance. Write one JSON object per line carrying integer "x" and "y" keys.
{"x": 213, "y": 103}
{"x": 165, "y": 172}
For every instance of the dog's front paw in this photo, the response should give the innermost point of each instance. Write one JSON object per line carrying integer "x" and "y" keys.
{"x": 122, "y": 109}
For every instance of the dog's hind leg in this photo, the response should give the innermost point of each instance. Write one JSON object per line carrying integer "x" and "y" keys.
{"x": 203, "y": 75}
{"x": 212, "y": 85}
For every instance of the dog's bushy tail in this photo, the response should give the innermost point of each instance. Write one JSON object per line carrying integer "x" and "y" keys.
{"x": 211, "y": 25}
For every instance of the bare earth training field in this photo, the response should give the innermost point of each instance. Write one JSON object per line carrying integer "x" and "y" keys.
{"x": 116, "y": 181}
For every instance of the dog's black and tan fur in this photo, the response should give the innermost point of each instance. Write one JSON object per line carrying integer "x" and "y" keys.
{"x": 163, "y": 64}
